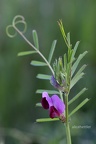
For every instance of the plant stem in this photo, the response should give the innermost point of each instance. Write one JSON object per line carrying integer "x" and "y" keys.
{"x": 34, "y": 49}
{"x": 68, "y": 135}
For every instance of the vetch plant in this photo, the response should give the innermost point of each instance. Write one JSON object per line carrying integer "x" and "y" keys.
{"x": 64, "y": 75}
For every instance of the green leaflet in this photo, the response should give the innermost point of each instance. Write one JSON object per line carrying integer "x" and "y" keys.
{"x": 44, "y": 76}
{"x": 77, "y": 96}
{"x": 26, "y": 53}
{"x": 52, "y": 51}
{"x": 63, "y": 32}
{"x": 68, "y": 73}
{"x": 80, "y": 71}
{"x": 75, "y": 65}
{"x": 38, "y": 63}
{"x": 70, "y": 51}
{"x": 79, "y": 106}
{"x": 49, "y": 91}
{"x": 78, "y": 76}
{"x": 46, "y": 119}
{"x": 38, "y": 105}
{"x": 74, "y": 51}
{"x": 65, "y": 62}
{"x": 35, "y": 39}
{"x": 68, "y": 39}
{"x": 75, "y": 80}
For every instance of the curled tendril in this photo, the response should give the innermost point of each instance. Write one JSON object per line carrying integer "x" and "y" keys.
{"x": 8, "y": 31}
{"x": 18, "y": 17}
{"x": 17, "y": 20}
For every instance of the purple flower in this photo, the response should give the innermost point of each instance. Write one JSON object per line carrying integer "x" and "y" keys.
{"x": 54, "y": 104}
{"x": 56, "y": 84}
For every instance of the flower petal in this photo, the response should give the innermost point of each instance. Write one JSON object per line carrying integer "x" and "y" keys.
{"x": 46, "y": 100}
{"x": 58, "y": 104}
{"x": 53, "y": 112}
{"x": 54, "y": 82}
{"x": 44, "y": 103}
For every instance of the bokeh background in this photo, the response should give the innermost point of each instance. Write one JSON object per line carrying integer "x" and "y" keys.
{"x": 18, "y": 82}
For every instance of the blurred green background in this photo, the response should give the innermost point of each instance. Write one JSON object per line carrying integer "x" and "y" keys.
{"x": 18, "y": 81}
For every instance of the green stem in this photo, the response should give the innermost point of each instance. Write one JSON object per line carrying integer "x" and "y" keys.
{"x": 68, "y": 135}
{"x": 34, "y": 49}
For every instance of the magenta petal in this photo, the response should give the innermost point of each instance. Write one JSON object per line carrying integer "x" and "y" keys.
{"x": 53, "y": 112}
{"x": 46, "y": 100}
{"x": 54, "y": 82}
{"x": 44, "y": 103}
{"x": 58, "y": 104}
